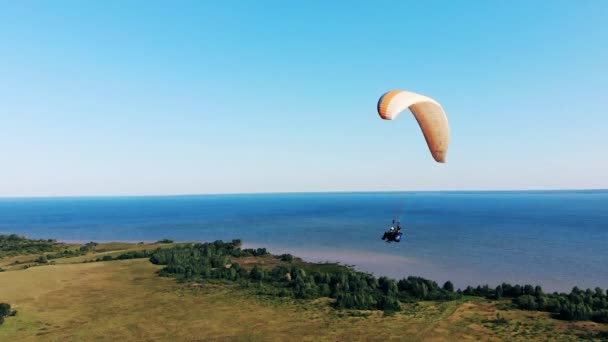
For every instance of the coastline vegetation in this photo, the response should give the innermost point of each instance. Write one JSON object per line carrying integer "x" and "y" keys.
{"x": 207, "y": 287}
{"x": 68, "y": 253}
{"x": 578, "y": 305}
{"x": 13, "y": 244}
{"x": 353, "y": 289}
{"x": 223, "y": 270}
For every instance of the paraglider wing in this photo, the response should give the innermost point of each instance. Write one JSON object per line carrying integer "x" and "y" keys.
{"x": 430, "y": 116}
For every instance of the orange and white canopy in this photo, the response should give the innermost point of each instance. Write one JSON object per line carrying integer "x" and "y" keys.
{"x": 430, "y": 116}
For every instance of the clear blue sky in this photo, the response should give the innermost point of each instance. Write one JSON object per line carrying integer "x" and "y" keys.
{"x": 178, "y": 97}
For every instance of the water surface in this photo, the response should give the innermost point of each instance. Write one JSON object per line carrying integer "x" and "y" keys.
{"x": 556, "y": 238}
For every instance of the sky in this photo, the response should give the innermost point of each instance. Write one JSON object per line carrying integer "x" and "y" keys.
{"x": 195, "y": 97}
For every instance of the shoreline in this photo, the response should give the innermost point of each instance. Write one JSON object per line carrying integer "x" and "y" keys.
{"x": 377, "y": 264}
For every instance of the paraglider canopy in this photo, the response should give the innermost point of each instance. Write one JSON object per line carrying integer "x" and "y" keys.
{"x": 430, "y": 116}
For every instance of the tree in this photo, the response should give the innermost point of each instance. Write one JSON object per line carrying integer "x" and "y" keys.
{"x": 538, "y": 291}
{"x": 526, "y": 302}
{"x": 286, "y": 257}
{"x": 541, "y": 303}
{"x": 600, "y": 316}
{"x": 388, "y": 286}
{"x": 516, "y": 291}
{"x": 5, "y": 309}
{"x": 448, "y": 286}
{"x": 574, "y": 312}
{"x": 528, "y": 290}
{"x": 499, "y": 292}
{"x": 575, "y": 297}
{"x": 389, "y": 303}
{"x": 42, "y": 259}
{"x": 256, "y": 273}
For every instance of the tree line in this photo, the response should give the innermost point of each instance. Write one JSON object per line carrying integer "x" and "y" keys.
{"x": 350, "y": 288}
{"x": 69, "y": 253}
{"x": 128, "y": 255}
{"x": 13, "y": 244}
{"x": 576, "y": 305}
{"x": 359, "y": 290}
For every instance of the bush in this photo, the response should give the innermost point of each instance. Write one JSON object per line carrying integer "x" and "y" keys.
{"x": 526, "y": 302}
{"x": 5, "y": 309}
{"x": 42, "y": 259}
{"x": 286, "y": 257}
{"x": 11, "y": 245}
{"x": 448, "y": 286}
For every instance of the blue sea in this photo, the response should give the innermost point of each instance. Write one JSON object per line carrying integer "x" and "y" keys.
{"x": 557, "y": 239}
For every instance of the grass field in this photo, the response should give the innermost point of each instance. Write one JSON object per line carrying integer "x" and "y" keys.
{"x": 127, "y": 301}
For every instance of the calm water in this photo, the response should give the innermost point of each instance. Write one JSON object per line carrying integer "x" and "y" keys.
{"x": 556, "y": 239}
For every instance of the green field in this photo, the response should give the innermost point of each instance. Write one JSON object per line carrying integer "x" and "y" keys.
{"x": 69, "y": 299}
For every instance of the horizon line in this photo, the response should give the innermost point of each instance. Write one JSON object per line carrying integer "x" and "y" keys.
{"x": 304, "y": 192}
